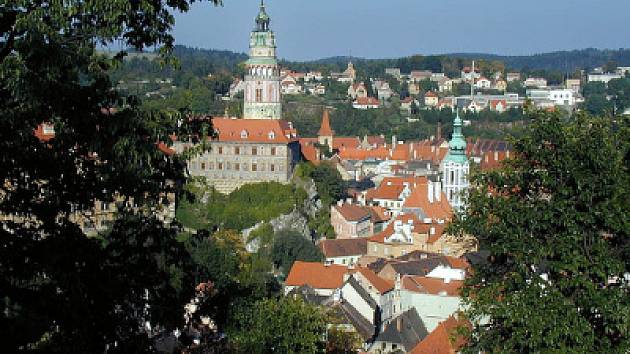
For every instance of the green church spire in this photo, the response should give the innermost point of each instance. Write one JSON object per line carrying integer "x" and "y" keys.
{"x": 457, "y": 145}
{"x": 262, "y": 20}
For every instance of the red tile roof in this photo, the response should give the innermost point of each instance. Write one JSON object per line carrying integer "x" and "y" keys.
{"x": 430, "y": 94}
{"x": 444, "y": 338}
{"x": 343, "y": 247}
{"x": 340, "y": 142}
{"x": 369, "y": 101}
{"x": 44, "y": 136}
{"x": 254, "y": 130}
{"x": 380, "y": 284}
{"x": 419, "y": 198}
{"x": 317, "y": 275}
{"x": 352, "y": 212}
{"x": 433, "y": 286}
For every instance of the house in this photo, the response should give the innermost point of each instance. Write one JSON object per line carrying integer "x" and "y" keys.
{"x": 500, "y": 85}
{"x": 603, "y": 77}
{"x": 483, "y": 83}
{"x": 444, "y": 83}
{"x": 395, "y": 72}
{"x": 400, "y": 334}
{"x": 384, "y": 92}
{"x": 535, "y": 82}
{"x": 435, "y": 296}
{"x": 313, "y": 76}
{"x": 349, "y": 75}
{"x": 498, "y": 105}
{"x": 427, "y": 200}
{"x": 444, "y": 339}
{"x": 357, "y": 90}
{"x": 445, "y": 103}
{"x": 414, "y": 88}
{"x": 289, "y": 85}
{"x": 324, "y": 279}
{"x": 317, "y": 90}
{"x": 359, "y": 309}
{"x": 431, "y": 99}
{"x": 468, "y": 74}
{"x": 513, "y": 77}
{"x": 407, "y": 233}
{"x": 366, "y": 103}
{"x": 349, "y": 220}
{"x": 573, "y": 84}
{"x": 419, "y": 75}
{"x": 343, "y": 251}
{"x": 406, "y": 104}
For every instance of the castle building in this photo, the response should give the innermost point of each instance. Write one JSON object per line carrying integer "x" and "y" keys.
{"x": 455, "y": 168}
{"x": 260, "y": 146}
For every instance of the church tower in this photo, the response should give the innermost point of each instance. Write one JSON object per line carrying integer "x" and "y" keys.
{"x": 262, "y": 81}
{"x": 325, "y": 133}
{"x": 455, "y": 168}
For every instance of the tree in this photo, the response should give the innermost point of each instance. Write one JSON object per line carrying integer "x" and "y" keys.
{"x": 291, "y": 246}
{"x": 285, "y": 325}
{"x": 341, "y": 341}
{"x": 54, "y": 281}
{"x": 554, "y": 221}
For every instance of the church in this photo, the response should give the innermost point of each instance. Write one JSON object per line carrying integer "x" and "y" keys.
{"x": 260, "y": 146}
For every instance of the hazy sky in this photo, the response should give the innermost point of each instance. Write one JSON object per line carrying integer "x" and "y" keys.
{"x": 393, "y": 28}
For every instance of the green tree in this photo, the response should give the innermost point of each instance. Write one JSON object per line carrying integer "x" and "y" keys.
{"x": 554, "y": 221}
{"x": 290, "y": 246}
{"x": 59, "y": 288}
{"x": 285, "y": 325}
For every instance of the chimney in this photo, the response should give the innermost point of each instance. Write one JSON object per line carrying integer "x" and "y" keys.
{"x": 399, "y": 323}
{"x": 432, "y": 231}
{"x": 339, "y": 202}
{"x": 438, "y": 191}
{"x": 430, "y": 191}
{"x": 348, "y": 200}
{"x": 393, "y": 141}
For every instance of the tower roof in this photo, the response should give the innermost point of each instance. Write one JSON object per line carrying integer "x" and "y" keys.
{"x": 457, "y": 145}
{"x": 262, "y": 20}
{"x": 325, "y": 129}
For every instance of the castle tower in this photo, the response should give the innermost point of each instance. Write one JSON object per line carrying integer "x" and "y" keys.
{"x": 325, "y": 133}
{"x": 455, "y": 168}
{"x": 262, "y": 81}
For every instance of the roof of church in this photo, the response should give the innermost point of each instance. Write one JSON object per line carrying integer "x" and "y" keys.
{"x": 325, "y": 129}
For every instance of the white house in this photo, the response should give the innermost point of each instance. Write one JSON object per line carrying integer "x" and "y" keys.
{"x": 483, "y": 83}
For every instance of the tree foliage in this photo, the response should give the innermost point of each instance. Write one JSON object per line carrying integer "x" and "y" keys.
{"x": 265, "y": 326}
{"x": 62, "y": 291}
{"x": 290, "y": 246}
{"x": 554, "y": 220}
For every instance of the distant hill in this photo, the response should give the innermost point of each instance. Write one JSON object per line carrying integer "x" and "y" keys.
{"x": 565, "y": 61}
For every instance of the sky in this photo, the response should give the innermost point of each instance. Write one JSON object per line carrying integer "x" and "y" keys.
{"x": 307, "y": 30}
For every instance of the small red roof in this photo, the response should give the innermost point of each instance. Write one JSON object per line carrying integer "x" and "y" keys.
{"x": 444, "y": 338}
{"x": 369, "y": 101}
{"x": 430, "y": 94}
{"x": 380, "y": 284}
{"x": 433, "y": 286}
{"x": 317, "y": 275}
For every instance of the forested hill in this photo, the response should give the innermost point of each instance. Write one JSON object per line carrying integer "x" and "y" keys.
{"x": 566, "y": 61}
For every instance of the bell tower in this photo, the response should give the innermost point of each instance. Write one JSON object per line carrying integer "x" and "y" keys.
{"x": 455, "y": 168}
{"x": 262, "y": 81}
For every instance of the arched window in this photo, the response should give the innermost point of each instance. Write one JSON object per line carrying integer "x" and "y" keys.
{"x": 271, "y": 135}
{"x": 244, "y": 134}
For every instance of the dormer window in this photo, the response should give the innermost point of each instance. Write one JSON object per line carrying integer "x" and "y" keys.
{"x": 244, "y": 134}
{"x": 271, "y": 135}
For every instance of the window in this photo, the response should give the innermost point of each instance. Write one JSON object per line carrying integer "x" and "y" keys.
{"x": 254, "y": 167}
{"x": 244, "y": 134}
{"x": 272, "y": 168}
{"x": 254, "y": 151}
{"x": 237, "y": 150}
{"x": 220, "y": 166}
{"x": 203, "y": 165}
{"x": 220, "y": 150}
{"x": 273, "y": 150}
{"x": 237, "y": 167}
{"x": 271, "y": 135}
{"x": 258, "y": 95}
{"x": 452, "y": 177}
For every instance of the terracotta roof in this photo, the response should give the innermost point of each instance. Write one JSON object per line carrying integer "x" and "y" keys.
{"x": 376, "y": 140}
{"x": 254, "y": 130}
{"x": 344, "y": 247}
{"x": 165, "y": 149}
{"x": 317, "y": 275}
{"x": 352, "y": 212}
{"x": 325, "y": 129}
{"x": 377, "y": 214}
{"x": 430, "y": 94}
{"x": 458, "y": 263}
{"x": 340, "y": 142}
{"x": 443, "y": 339}
{"x": 310, "y": 153}
{"x": 434, "y": 286}
{"x": 44, "y": 136}
{"x": 380, "y": 284}
{"x": 401, "y": 152}
{"x": 363, "y": 101}
{"x": 390, "y": 192}
{"x": 419, "y": 198}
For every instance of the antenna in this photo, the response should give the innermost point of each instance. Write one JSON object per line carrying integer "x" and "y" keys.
{"x": 472, "y": 81}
